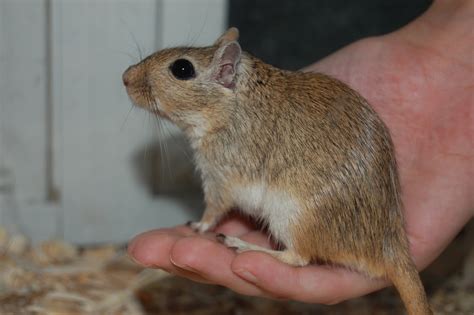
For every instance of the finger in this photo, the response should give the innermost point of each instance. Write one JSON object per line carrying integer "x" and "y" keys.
{"x": 196, "y": 277}
{"x": 311, "y": 284}
{"x": 211, "y": 260}
{"x": 152, "y": 249}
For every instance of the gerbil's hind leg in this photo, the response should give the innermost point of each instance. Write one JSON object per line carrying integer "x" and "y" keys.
{"x": 287, "y": 256}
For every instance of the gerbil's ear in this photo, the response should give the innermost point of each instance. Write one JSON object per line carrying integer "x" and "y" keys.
{"x": 232, "y": 34}
{"x": 225, "y": 63}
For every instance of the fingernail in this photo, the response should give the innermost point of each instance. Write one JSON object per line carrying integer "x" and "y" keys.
{"x": 246, "y": 275}
{"x": 131, "y": 250}
{"x": 185, "y": 267}
{"x": 131, "y": 255}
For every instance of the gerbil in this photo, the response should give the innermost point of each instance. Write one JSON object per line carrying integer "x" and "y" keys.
{"x": 301, "y": 151}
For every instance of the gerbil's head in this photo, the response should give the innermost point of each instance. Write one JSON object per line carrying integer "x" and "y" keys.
{"x": 185, "y": 84}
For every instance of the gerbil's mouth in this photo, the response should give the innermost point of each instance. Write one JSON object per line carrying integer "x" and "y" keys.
{"x": 143, "y": 98}
{"x": 139, "y": 90}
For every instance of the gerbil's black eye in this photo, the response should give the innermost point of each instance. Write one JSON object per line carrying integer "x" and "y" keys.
{"x": 183, "y": 69}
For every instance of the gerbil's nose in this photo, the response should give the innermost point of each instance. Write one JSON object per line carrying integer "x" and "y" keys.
{"x": 129, "y": 75}
{"x": 125, "y": 80}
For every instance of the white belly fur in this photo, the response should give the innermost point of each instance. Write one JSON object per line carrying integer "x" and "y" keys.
{"x": 275, "y": 207}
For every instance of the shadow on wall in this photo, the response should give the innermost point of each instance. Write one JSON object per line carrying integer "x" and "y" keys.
{"x": 294, "y": 34}
{"x": 165, "y": 167}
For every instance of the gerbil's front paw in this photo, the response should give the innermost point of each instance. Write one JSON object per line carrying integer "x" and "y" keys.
{"x": 199, "y": 227}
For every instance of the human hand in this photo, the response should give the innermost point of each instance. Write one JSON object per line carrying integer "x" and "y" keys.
{"x": 420, "y": 81}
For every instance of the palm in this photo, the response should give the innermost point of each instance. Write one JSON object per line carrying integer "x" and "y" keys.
{"x": 425, "y": 98}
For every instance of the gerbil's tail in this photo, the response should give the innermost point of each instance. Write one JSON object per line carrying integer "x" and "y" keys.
{"x": 407, "y": 281}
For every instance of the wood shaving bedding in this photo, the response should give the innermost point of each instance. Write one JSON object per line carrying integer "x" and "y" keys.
{"x": 56, "y": 277}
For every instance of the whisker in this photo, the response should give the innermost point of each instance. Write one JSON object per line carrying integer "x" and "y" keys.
{"x": 198, "y": 34}
{"x": 177, "y": 140}
{"x": 134, "y": 39}
{"x": 163, "y": 144}
{"x": 132, "y": 57}
{"x": 165, "y": 147}
{"x": 140, "y": 53}
{"x": 163, "y": 153}
{"x": 147, "y": 146}
{"x": 126, "y": 117}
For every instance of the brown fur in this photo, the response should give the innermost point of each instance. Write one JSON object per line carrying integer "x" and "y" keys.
{"x": 304, "y": 138}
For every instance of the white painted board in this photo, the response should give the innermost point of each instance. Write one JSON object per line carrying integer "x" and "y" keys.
{"x": 101, "y": 195}
{"x": 98, "y": 143}
{"x": 23, "y": 101}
